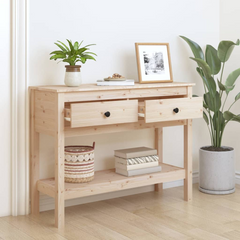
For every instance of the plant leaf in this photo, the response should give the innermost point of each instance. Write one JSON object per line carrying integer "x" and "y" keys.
{"x": 196, "y": 49}
{"x": 237, "y": 96}
{"x": 89, "y": 45}
{"x": 205, "y": 105}
{"x": 207, "y": 78}
{"x": 64, "y": 45}
{"x": 212, "y": 102}
{"x": 229, "y": 116}
{"x": 80, "y": 43}
{"x": 225, "y": 49}
{"x": 57, "y": 52}
{"x": 61, "y": 47}
{"x": 76, "y": 46}
{"x": 218, "y": 120}
{"x": 90, "y": 53}
{"x": 232, "y": 77}
{"x": 89, "y": 57}
{"x": 83, "y": 60}
{"x": 225, "y": 88}
{"x": 71, "y": 46}
{"x": 204, "y": 66}
{"x": 205, "y": 117}
{"x": 54, "y": 57}
{"x": 229, "y": 88}
{"x": 69, "y": 61}
{"x": 221, "y": 86}
{"x": 81, "y": 50}
{"x": 212, "y": 59}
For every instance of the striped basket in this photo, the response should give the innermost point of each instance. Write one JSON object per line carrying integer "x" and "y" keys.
{"x": 79, "y": 164}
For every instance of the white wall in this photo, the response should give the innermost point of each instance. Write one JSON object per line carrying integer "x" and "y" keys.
{"x": 5, "y": 106}
{"x": 229, "y": 30}
{"x": 115, "y": 26}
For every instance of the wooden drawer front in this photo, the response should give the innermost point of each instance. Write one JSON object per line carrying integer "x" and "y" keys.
{"x": 163, "y": 110}
{"x": 92, "y": 114}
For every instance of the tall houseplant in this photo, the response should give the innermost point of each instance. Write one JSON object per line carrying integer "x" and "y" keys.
{"x": 72, "y": 54}
{"x": 216, "y": 162}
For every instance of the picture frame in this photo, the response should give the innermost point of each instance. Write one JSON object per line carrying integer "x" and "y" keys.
{"x": 153, "y": 62}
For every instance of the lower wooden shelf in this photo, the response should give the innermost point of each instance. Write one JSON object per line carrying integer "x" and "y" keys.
{"x": 108, "y": 181}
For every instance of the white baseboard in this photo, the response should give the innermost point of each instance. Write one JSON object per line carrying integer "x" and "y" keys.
{"x": 47, "y": 203}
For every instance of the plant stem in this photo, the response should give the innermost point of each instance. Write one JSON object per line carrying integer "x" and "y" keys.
{"x": 222, "y": 72}
{"x": 223, "y": 131}
{"x": 224, "y": 102}
{"x": 212, "y": 128}
{"x": 210, "y": 135}
{"x": 231, "y": 105}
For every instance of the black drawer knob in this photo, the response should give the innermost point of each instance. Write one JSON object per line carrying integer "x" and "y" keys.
{"x": 107, "y": 114}
{"x": 176, "y": 110}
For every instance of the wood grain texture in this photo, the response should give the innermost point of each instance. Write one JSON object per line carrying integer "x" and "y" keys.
{"x": 162, "y": 110}
{"x": 59, "y": 162}
{"x": 143, "y": 216}
{"x": 92, "y": 114}
{"x": 159, "y": 146}
{"x": 71, "y": 132}
{"x": 34, "y": 157}
{"x": 87, "y": 105}
{"x": 94, "y": 87}
{"x": 108, "y": 181}
{"x": 188, "y": 160}
{"x": 114, "y": 94}
{"x": 45, "y": 104}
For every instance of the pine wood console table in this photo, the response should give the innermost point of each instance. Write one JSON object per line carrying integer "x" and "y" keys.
{"x": 131, "y": 108}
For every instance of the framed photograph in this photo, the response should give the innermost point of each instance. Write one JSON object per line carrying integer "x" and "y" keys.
{"x": 154, "y": 63}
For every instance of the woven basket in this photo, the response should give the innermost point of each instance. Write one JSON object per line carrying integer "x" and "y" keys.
{"x": 79, "y": 164}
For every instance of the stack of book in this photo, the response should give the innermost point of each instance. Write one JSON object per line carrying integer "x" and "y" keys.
{"x": 136, "y": 161}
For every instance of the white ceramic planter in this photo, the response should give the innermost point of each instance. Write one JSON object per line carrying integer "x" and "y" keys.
{"x": 216, "y": 172}
{"x": 73, "y": 76}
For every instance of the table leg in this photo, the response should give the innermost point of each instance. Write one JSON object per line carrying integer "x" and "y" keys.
{"x": 34, "y": 158}
{"x": 188, "y": 160}
{"x": 159, "y": 146}
{"x": 59, "y": 163}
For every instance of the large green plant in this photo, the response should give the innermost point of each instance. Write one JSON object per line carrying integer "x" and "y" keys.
{"x": 73, "y": 53}
{"x": 210, "y": 66}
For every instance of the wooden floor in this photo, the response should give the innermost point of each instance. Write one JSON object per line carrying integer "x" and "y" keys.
{"x": 146, "y": 216}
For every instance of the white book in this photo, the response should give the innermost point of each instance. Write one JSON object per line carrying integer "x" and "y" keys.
{"x": 128, "y": 82}
{"x": 138, "y": 171}
{"x": 135, "y": 166}
{"x": 135, "y": 152}
{"x": 137, "y": 160}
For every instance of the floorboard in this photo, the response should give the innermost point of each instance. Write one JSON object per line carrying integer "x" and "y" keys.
{"x": 146, "y": 216}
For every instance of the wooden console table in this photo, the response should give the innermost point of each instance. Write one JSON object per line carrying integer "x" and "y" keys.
{"x": 131, "y": 108}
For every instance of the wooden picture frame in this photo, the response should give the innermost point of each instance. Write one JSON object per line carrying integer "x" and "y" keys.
{"x": 153, "y": 62}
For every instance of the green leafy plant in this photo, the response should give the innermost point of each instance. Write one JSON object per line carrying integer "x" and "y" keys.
{"x": 210, "y": 66}
{"x": 73, "y": 53}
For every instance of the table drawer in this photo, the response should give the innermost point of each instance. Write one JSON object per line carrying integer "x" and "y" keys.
{"x": 102, "y": 113}
{"x": 172, "y": 109}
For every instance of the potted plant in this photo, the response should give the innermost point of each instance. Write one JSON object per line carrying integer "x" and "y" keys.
{"x": 72, "y": 54}
{"x": 216, "y": 162}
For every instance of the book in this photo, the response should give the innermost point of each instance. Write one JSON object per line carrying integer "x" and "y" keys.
{"x": 135, "y": 152}
{"x": 137, "y": 160}
{"x": 138, "y": 171}
{"x": 135, "y": 166}
{"x": 127, "y": 82}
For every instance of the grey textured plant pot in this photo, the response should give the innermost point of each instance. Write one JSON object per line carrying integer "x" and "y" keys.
{"x": 216, "y": 171}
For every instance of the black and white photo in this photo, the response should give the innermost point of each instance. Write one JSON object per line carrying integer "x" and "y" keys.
{"x": 153, "y": 60}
